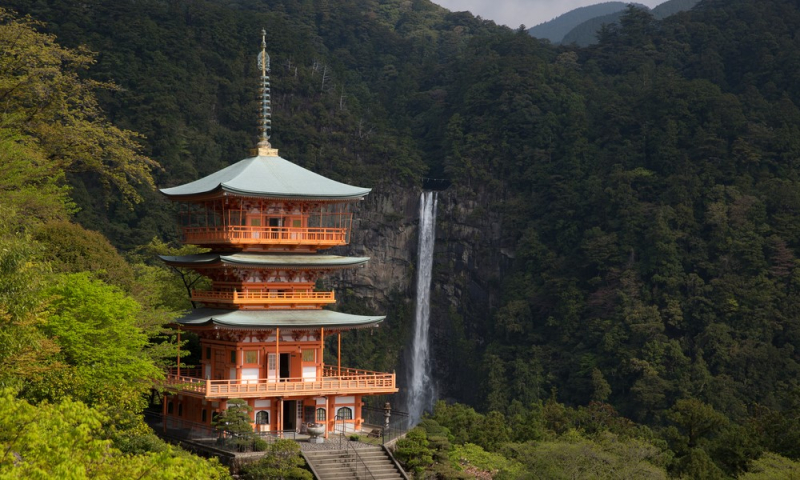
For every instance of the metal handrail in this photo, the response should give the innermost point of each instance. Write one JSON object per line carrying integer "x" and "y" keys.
{"x": 361, "y": 461}
{"x": 358, "y": 460}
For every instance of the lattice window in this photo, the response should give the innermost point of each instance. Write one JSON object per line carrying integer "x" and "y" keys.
{"x": 345, "y": 413}
{"x": 262, "y": 417}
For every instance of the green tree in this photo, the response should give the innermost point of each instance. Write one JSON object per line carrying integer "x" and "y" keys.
{"x": 46, "y": 99}
{"x": 772, "y": 467}
{"x": 572, "y": 456}
{"x": 413, "y": 452}
{"x": 281, "y": 461}
{"x": 32, "y": 186}
{"x": 71, "y": 248}
{"x": 25, "y": 351}
{"x": 696, "y": 420}
{"x": 65, "y": 440}
{"x": 101, "y": 348}
{"x": 234, "y": 425}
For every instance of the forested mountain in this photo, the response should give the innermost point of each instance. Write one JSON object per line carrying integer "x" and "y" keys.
{"x": 555, "y": 29}
{"x": 671, "y": 7}
{"x": 586, "y": 33}
{"x": 620, "y": 239}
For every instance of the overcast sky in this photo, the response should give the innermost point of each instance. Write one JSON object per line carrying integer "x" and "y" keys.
{"x": 529, "y": 12}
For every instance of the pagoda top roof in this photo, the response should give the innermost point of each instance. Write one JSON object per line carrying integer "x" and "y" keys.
{"x": 269, "y": 177}
{"x": 284, "y": 319}
{"x": 257, "y": 259}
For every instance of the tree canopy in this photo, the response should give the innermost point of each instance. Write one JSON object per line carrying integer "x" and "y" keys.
{"x": 631, "y": 208}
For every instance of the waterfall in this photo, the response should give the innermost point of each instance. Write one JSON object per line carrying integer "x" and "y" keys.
{"x": 420, "y": 386}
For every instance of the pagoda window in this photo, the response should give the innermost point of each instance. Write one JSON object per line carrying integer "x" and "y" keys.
{"x": 344, "y": 413}
{"x": 251, "y": 356}
{"x": 271, "y": 366}
{"x": 169, "y": 408}
{"x": 262, "y": 418}
{"x": 233, "y": 356}
{"x": 208, "y": 353}
{"x": 308, "y": 355}
{"x": 321, "y": 414}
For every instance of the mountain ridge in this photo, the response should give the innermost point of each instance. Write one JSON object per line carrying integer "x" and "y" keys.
{"x": 585, "y": 34}
{"x": 555, "y": 29}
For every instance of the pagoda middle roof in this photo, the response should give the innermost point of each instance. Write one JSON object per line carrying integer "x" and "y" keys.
{"x": 288, "y": 319}
{"x": 257, "y": 259}
{"x": 269, "y": 177}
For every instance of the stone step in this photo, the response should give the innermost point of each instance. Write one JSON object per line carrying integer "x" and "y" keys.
{"x": 349, "y": 474}
{"x": 337, "y": 456}
{"x": 333, "y": 471}
{"x": 343, "y": 464}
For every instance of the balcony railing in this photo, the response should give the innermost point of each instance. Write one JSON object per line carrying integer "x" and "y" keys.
{"x": 256, "y": 297}
{"x": 365, "y": 383}
{"x": 249, "y": 235}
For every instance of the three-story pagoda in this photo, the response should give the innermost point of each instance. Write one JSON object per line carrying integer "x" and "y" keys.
{"x": 262, "y": 325}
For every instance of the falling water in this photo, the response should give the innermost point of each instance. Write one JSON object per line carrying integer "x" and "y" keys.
{"x": 420, "y": 387}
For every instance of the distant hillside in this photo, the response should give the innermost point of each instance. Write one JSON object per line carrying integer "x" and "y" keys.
{"x": 555, "y": 29}
{"x": 672, "y": 7}
{"x": 585, "y": 34}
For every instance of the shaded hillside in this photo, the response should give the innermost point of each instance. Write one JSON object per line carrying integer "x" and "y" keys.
{"x": 622, "y": 226}
{"x": 650, "y": 202}
{"x": 587, "y": 32}
{"x": 188, "y": 83}
{"x": 555, "y": 29}
{"x": 671, "y": 7}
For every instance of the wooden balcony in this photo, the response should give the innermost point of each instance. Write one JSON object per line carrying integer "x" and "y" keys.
{"x": 264, "y": 297}
{"x": 350, "y": 382}
{"x": 249, "y": 235}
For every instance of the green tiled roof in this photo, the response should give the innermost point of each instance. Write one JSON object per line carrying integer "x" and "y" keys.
{"x": 284, "y": 319}
{"x": 266, "y": 260}
{"x": 270, "y": 177}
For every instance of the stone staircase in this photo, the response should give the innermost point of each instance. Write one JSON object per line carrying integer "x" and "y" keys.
{"x": 343, "y": 464}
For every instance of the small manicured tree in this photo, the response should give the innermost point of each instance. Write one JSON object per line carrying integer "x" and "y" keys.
{"x": 237, "y": 423}
{"x": 281, "y": 462}
{"x": 413, "y": 451}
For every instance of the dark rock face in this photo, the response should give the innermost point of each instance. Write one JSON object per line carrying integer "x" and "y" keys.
{"x": 469, "y": 263}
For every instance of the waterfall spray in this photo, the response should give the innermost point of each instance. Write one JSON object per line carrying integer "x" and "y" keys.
{"x": 421, "y": 392}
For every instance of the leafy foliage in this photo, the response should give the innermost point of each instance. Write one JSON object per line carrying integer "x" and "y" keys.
{"x": 65, "y": 440}
{"x": 71, "y": 248}
{"x": 413, "y": 452}
{"x": 644, "y": 191}
{"x": 45, "y": 99}
{"x": 281, "y": 460}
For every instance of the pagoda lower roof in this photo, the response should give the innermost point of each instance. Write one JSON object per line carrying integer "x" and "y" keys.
{"x": 268, "y": 177}
{"x": 284, "y": 319}
{"x": 256, "y": 259}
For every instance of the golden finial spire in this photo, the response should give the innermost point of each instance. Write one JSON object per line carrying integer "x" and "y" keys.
{"x": 264, "y": 147}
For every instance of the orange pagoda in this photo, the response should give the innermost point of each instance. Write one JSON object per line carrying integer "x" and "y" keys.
{"x": 262, "y": 325}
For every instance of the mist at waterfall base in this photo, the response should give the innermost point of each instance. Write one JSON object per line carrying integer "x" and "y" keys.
{"x": 421, "y": 392}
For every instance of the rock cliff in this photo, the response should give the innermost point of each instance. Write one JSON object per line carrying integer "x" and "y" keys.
{"x": 469, "y": 263}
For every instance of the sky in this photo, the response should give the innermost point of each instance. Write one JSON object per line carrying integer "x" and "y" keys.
{"x": 529, "y": 12}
